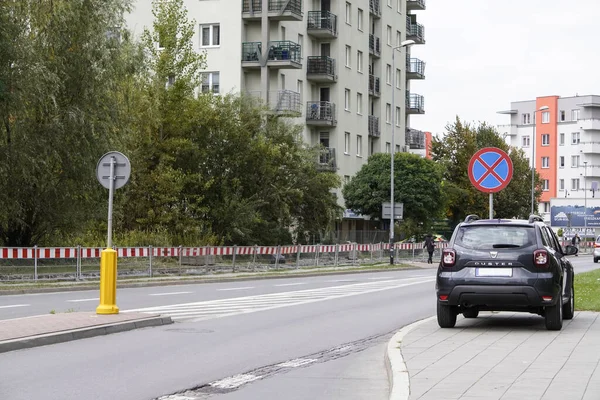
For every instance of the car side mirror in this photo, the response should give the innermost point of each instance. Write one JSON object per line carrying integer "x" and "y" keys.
{"x": 571, "y": 250}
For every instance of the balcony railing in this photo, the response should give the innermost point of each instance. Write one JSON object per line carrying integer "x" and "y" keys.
{"x": 374, "y": 85}
{"x": 320, "y": 113}
{"x": 285, "y": 102}
{"x": 321, "y": 66}
{"x": 284, "y": 50}
{"x": 415, "y": 5}
{"x": 322, "y": 24}
{"x": 415, "y": 103}
{"x": 327, "y": 161}
{"x": 374, "y": 129}
{"x": 415, "y": 68}
{"x": 375, "y": 8}
{"x": 293, "y": 7}
{"x": 251, "y": 6}
{"x": 374, "y": 45}
{"x": 415, "y": 139}
{"x": 415, "y": 31}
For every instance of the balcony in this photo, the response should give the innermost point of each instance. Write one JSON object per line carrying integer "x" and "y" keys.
{"x": 374, "y": 86}
{"x": 322, "y": 24}
{"x": 507, "y": 129}
{"x": 285, "y": 103}
{"x": 375, "y": 8}
{"x": 320, "y": 113}
{"x": 591, "y": 124}
{"x": 279, "y": 10}
{"x": 282, "y": 54}
{"x": 374, "y": 46}
{"x": 415, "y": 139}
{"x": 589, "y": 147}
{"x": 414, "y": 31}
{"x": 320, "y": 69}
{"x": 374, "y": 129}
{"x": 327, "y": 161}
{"x": 415, "y": 68}
{"x": 415, "y": 103}
{"x": 415, "y": 5}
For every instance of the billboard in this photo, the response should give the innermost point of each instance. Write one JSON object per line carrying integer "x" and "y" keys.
{"x": 574, "y": 213}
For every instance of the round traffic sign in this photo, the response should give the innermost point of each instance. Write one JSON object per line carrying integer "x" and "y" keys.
{"x": 121, "y": 170}
{"x": 490, "y": 170}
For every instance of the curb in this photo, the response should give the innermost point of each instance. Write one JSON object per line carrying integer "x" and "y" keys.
{"x": 82, "y": 333}
{"x": 193, "y": 281}
{"x": 398, "y": 376}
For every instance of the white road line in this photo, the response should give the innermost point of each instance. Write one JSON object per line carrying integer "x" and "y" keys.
{"x": 80, "y": 300}
{"x": 234, "y": 381}
{"x": 343, "y": 280}
{"x": 16, "y": 305}
{"x": 167, "y": 294}
{"x": 298, "y": 362}
{"x": 291, "y": 284}
{"x": 237, "y": 288}
{"x": 381, "y": 277}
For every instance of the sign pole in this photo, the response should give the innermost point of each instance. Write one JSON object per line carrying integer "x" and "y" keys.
{"x": 111, "y": 191}
{"x": 491, "y": 205}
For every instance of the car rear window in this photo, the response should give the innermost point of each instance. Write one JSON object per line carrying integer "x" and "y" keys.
{"x": 486, "y": 237}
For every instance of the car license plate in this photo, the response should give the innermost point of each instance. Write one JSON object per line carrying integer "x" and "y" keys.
{"x": 493, "y": 272}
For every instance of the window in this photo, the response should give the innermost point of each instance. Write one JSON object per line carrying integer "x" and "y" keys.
{"x": 359, "y": 145}
{"x": 545, "y": 162}
{"x": 399, "y": 6}
{"x": 526, "y": 118}
{"x": 360, "y": 20}
{"x": 398, "y": 80}
{"x": 346, "y": 179}
{"x": 574, "y": 161}
{"x": 575, "y": 184}
{"x": 484, "y": 236}
{"x": 389, "y": 3}
{"x": 545, "y": 185}
{"x": 545, "y": 117}
{"x": 348, "y": 56}
{"x": 347, "y": 143}
{"x": 359, "y": 61}
{"x": 397, "y": 116}
{"x": 388, "y": 112}
{"x": 348, "y": 13}
{"x": 210, "y": 82}
{"x": 389, "y": 35}
{"x": 545, "y": 140}
{"x": 575, "y": 138}
{"x": 359, "y": 103}
{"x": 398, "y": 38}
{"x": 347, "y": 100}
{"x": 210, "y": 35}
{"x": 562, "y": 116}
{"x": 561, "y": 161}
{"x": 388, "y": 146}
{"x": 574, "y": 115}
{"x": 299, "y": 86}
{"x": 301, "y": 40}
{"x": 561, "y": 139}
{"x": 526, "y": 141}
{"x": 397, "y": 148}
{"x": 561, "y": 184}
{"x": 388, "y": 74}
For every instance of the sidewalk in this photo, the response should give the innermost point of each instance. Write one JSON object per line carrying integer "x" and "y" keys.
{"x": 507, "y": 356}
{"x": 41, "y": 330}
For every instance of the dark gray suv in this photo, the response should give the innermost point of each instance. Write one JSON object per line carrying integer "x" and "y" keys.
{"x": 505, "y": 265}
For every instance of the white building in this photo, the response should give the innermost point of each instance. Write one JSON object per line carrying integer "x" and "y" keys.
{"x": 325, "y": 63}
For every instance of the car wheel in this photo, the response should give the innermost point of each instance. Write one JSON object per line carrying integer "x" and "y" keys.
{"x": 569, "y": 308}
{"x": 470, "y": 313}
{"x": 553, "y": 314}
{"x": 595, "y": 260}
{"x": 446, "y": 315}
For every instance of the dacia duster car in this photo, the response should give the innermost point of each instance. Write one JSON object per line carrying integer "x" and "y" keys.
{"x": 505, "y": 265}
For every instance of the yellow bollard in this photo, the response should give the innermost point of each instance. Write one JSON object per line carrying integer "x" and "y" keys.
{"x": 108, "y": 283}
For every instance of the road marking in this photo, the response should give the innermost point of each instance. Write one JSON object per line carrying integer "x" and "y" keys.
{"x": 342, "y": 280}
{"x": 298, "y": 362}
{"x": 237, "y": 288}
{"x": 234, "y": 381}
{"x": 291, "y": 284}
{"x": 381, "y": 277}
{"x": 168, "y": 294}
{"x": 80, "y": 300}
{"x": 16, "y": 305}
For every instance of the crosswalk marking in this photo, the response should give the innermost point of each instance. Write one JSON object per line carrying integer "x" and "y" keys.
{"x": 210, "y": 309}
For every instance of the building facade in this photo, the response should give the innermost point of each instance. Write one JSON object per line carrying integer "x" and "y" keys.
{"x": 327, "y": 64}
{"x": 561, "y": 136}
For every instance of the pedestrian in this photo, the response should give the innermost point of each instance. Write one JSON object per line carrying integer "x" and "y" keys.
{"x": 430, "y": 245}
{"x": 575, "y": 242}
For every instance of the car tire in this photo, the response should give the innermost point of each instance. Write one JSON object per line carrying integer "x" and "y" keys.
{"x": 446, "y": 315}
{"x": 569, "y": 308}
{"x": 470, "y": 313}
{"x": 595, "y": 260}
{"x": 553, "y": 314}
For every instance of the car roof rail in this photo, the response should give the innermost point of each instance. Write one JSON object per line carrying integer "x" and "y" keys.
{"x": 534, "y": 217}
{"x": 471, "y": 217}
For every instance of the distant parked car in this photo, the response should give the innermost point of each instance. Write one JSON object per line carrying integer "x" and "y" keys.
{"x": 596, "y": 252}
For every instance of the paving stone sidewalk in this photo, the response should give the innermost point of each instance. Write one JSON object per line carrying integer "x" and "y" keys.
{"x": 505, "y": 356}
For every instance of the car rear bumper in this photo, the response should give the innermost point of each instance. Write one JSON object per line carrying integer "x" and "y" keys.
{"x": 495, "y": 296}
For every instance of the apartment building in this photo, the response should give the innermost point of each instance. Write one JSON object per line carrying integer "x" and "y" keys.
{"x": 327, "y": 64}
{"x": 561, "y": 136}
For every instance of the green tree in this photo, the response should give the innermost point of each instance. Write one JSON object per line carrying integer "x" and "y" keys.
{"x": 417, "y": 184}
{"x": 454, "y": 151}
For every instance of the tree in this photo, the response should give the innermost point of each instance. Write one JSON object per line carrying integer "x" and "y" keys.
{"x": 417, "y": 184}
{"x": 454, "y": 152}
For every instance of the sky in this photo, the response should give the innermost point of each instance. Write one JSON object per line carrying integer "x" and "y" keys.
{"x": 482, "y": 55}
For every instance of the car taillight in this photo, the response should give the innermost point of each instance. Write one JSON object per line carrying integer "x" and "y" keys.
{"x": 448, "y": 257}
{"x": 540, "y": 258}
{"x": 596, "y": 245}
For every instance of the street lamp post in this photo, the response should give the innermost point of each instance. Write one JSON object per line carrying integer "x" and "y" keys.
{"x": 584, "y": 202}
{"x": 544, "y": 108}
{"x": 405, "y": 43}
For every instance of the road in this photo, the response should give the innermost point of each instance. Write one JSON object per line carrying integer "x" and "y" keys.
{"x": 296, "y": 338}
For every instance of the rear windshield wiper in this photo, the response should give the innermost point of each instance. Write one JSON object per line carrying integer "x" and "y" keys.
{"x": 504, "y": 245}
